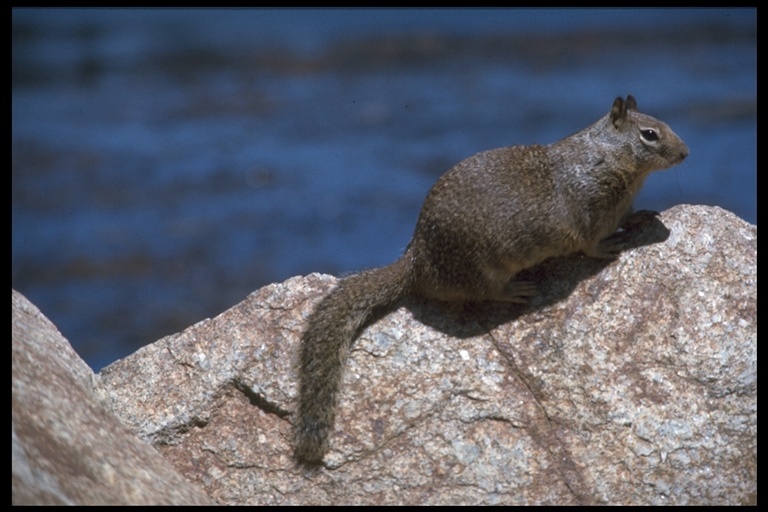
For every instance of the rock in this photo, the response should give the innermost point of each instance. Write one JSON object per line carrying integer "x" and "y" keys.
{"x": 67, "y": 448}
{"x": 625, "y": 382}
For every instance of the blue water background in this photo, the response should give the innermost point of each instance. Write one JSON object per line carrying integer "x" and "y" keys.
{"x": 166, "y": 163}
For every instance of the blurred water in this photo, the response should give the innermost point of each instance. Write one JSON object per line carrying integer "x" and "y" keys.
{"x": 168, "y": 162}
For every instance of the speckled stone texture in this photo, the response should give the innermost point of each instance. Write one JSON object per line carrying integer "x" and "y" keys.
{"x": 630, "y": 381}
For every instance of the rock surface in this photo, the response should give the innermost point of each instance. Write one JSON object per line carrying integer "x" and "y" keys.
{"x": 624, "y": 382}
{"x": 67, "y": 448}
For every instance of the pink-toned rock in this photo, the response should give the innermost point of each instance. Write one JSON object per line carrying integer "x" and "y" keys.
{"x": 625, "y": 382}
{"x": 67, "y": 447}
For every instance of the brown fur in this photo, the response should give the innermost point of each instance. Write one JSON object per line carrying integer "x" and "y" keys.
{"x": 489, "y": 217}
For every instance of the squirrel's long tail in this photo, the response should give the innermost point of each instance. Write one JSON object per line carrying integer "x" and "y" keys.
{"x": 332, "y": 328}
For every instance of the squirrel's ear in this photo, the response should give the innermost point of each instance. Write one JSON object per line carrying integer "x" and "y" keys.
{"x": 619, "y": 110}
{"x": 631, "y": 103}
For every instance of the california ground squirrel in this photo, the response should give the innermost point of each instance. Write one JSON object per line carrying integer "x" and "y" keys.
{"x": 489, "y": 217}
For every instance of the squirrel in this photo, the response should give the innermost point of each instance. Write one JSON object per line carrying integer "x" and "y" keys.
{"x": 486, "y": 219}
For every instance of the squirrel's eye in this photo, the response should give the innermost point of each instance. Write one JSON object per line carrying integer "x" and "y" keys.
{"x": 649, "y": 135}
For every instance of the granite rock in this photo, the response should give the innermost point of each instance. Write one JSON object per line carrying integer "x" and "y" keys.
{"x": 631, "y": 381}
{"x": 67, "y": 447}
{"x": 624, "y": 382}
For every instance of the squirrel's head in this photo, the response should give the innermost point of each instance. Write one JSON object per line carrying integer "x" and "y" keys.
{"x": 659, "y": 147}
